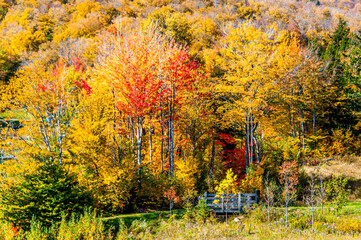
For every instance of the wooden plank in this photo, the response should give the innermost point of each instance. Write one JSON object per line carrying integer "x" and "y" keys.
{"x": 220, "y": 207}
{"x": 235, "y": 201}
{"x": 234, "y": 196}
{"x": 220, "y": 210}
{"x": 248, "y": 194}
{"x": 211, "y": 194}
{"x": 229, "y": 210}
{"x": 227, "y": 206}
{"x": 229, "y": 194}
{"x": 226, "y": 200}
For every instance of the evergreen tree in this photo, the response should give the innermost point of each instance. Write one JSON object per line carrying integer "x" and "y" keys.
{"x": 45, "y": 194}
{"x": 338, "y": 110}
{"x": 340, "y": 42}
{"x": 352, "y": 73}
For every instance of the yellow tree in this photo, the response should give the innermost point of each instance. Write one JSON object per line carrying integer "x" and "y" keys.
{"x": 99, "y": 148}
{"x": 44, "y": 104}
{"x": 247, "y": 59}
{"x": 267, "y": 79}
{"x": 49, "y": 101}
{"x": 300, "y": 83}
{"x": 226, "y": 188}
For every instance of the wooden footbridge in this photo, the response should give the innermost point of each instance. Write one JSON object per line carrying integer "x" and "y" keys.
{"x": 230, "y": 203}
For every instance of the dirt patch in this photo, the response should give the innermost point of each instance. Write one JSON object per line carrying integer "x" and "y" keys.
{"x": 348, "y": 166}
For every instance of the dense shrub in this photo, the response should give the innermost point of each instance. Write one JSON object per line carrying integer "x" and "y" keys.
{"x": 45, "y": 194}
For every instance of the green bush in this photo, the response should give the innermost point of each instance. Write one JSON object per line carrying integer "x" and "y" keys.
{"x": 45, "y": 194}
{"x": 202, "y": 212}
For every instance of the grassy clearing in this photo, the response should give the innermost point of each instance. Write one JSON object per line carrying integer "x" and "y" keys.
{"x": 355, "y": 205}
{"x": 350, "y": 210}
{"x": 151, "y": 218}
{"x": 348, "y": 166}
{"x": 16, "y": 114}
{"x": 253, "y": 224}
{"x": 233, "y": 230}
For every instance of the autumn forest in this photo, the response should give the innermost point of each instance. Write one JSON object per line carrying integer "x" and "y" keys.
{"x": 129, "y": 106}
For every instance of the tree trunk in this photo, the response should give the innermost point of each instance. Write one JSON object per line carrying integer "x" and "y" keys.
{"x": 120, "y": 150}
{"x": 185, "y": 145}
{"x": 313, "y": 219}
{"x": 139, "y": 154}
{"x": 132, "y": 136}
{"x": 113, "y": 145}
{"x": 329, "y": 124}
{"x": 303, "y": 130}
{"x": 314, "y": 124}
{"x": 161, "y": 142}
{"x": 211, "y": 164}
{"x": 293, "y": 118}
{"x": 114, "y": 127}
{"x": 173, "y": 112}
{"x": 287, "y": 198}
{"x": 258, "y": 155}
{"x": 139, "y": 136}
{"x": 246, "y": 142}
{"x": 150, "y": 145}
{"x": 251, "y": 139}
{"x": 286, "y": 215}
{"x": 170, "y": 143}
{"x": 293, "y": 123}
{"x": 289, "y": 115}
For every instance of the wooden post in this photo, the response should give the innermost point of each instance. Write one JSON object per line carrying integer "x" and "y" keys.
{"x": 222, "y": 202}
{"x": 248, "y": 200}
{"x": 258, "y": 196}
{"x": 239, "y": 202}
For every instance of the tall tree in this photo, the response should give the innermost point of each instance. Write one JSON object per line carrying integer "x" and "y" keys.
{"x": 339, "y": 113}
{"x": 49, "y": 102}
{"x": 247, "y": 57}
{"x": 152, "y": 78}
{"x": 132, "y": 68}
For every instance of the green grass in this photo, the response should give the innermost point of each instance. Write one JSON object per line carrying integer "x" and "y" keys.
{"x": 127, "y": 219}
{"x": 350, "y": 208}
{"x": 254, "y": 225}
{"x": 356, "y": 204}
{"x": 160, "y": 225}
{"x": 17, "y": 114}
{"x": 12, "y": 117}
{"x": 157, "y": 225}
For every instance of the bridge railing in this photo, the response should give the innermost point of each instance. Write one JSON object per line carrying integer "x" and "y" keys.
{"x": 222, "y": 203}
